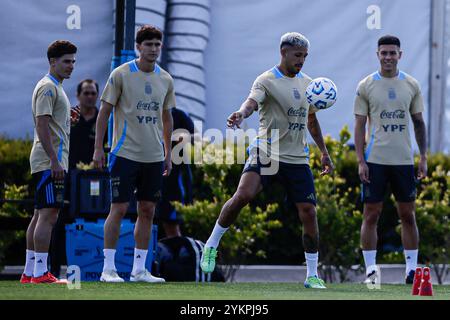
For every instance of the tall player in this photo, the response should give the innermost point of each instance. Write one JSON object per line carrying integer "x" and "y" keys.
{"x": 387, "y": 98}
{"x": 142, "y": 95}
{"x": 278, "y": 95}
{"x": 48, "y": 158}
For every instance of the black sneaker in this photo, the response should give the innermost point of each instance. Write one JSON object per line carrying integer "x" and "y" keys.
{"x": 410, "y": 277}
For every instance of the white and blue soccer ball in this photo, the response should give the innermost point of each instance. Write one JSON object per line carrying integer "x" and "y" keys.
{"x": 321, "y": 93}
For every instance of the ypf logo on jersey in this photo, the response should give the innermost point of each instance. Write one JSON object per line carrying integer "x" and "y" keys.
{"x": 148, "y": 88}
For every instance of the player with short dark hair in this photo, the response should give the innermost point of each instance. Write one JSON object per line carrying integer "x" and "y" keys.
{"x": 49, "y": 158}
{"x": 142, "y": 94}
{"x": 387, "y": 98}
{"x": 279, "y": 96}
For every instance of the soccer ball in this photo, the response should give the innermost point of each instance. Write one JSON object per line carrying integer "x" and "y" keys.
{"x": 321, "y": 93}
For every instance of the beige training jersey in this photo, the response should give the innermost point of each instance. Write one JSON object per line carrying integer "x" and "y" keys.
{"x": 282, "y": 105}
{"x": 139, "y": 99}
{"x": 50, "y": 99}
{"x": 388, "y": 103}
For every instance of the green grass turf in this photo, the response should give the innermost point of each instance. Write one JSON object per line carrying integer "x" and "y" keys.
{"x": 210, "y": 291}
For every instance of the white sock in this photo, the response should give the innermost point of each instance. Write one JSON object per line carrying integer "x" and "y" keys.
{"x": 411, "y": 260}
{"x": 40, "y": 264}
{"x": 370, "y": 257}
{"x": 139, "y": 260}
{"x": 108, "y": 262}
{"x": 215, "y": 236}
{"x": 311, "y": 264}
{"x": 29, "y": 263}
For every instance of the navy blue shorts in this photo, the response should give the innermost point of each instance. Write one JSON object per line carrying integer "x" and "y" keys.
{"x": 127, "y": 176}
{"x": 296, "y": 178}
{"x": 49, "y": 193}
{"x": 400, "y": 178}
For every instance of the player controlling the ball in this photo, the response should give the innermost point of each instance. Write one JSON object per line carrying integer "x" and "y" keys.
{"x": 279, "y": 96}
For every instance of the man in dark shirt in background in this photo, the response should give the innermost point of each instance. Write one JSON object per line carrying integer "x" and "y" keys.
{"x": 178, "y": 185}
{"x": 82, "y": 135}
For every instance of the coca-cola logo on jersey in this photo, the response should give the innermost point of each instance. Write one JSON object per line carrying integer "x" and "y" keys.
{"x": 301, "y": 112}
{"x": 397, "y": 114}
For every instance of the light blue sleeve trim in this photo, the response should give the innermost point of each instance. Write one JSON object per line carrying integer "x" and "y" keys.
{"x": 306, "y": 150}
{"x": 112, "y": 158}
{"x": 401, "y": 75}
{"x": 369, "y": 147}
{"x": 157, "y": 69}
{"x": 277, "y": 73}
{"x": 133, "y": 66}
{"x": 376, "y": 76}
{"x": 60, "y": 147}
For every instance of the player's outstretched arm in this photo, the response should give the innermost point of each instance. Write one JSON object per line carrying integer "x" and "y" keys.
{"x": 421, "y": 138}
{"x": 235, "y": 119}
{"x": 360, "y": 132}
{"x": 167, "y": 136}
{"x": 100, "y": 130}
{"x": 316, "y": 134}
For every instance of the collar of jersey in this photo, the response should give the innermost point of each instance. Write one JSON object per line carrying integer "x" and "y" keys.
{"x": 400, "y": 76}
{"x": 134, "y": 67}
{"x": 278, "y": 74}
{"x": 55, "y": 81}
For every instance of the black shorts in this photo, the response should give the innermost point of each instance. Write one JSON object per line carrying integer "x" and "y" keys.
{"x": 49, "y": 193}
{"x": 296, "y": 178}
{"x": 400, "y": 178}
{"x": 127, "y": 176}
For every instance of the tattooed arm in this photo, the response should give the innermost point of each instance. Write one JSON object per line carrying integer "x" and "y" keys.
{"x": 316, "y": 134}
{"x": 421, "y": 138}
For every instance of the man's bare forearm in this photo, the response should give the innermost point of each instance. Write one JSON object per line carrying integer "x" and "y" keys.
{"x": 421, "y": 134}
{"x": 248, "y": 107}
{"x": 316, "y": 133}
{"x": 167, "y": 131}
{"x": 102, "y": 124}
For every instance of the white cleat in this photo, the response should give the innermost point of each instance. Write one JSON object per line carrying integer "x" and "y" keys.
{"x": 111, "y": 276}
{"x": 371, "y": 277}
{"x": 145, "y": 276}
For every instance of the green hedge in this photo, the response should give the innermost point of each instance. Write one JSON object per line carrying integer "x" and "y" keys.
{"x": 14, "y": 162}
{"x": 269, "y": 231}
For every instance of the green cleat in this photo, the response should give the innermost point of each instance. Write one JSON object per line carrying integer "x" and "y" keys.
{"x": 314, "y": 283}
{"x": 208, "y": 260}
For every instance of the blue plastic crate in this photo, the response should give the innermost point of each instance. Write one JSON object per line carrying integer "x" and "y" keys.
{"x": 84, "y": 247}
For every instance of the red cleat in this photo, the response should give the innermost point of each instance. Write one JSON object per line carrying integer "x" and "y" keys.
{"x": 47, "y": 278}
{"x": 25, "y": 279}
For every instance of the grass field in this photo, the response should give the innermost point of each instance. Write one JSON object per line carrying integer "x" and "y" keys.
{"x": 211, "y": 291}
